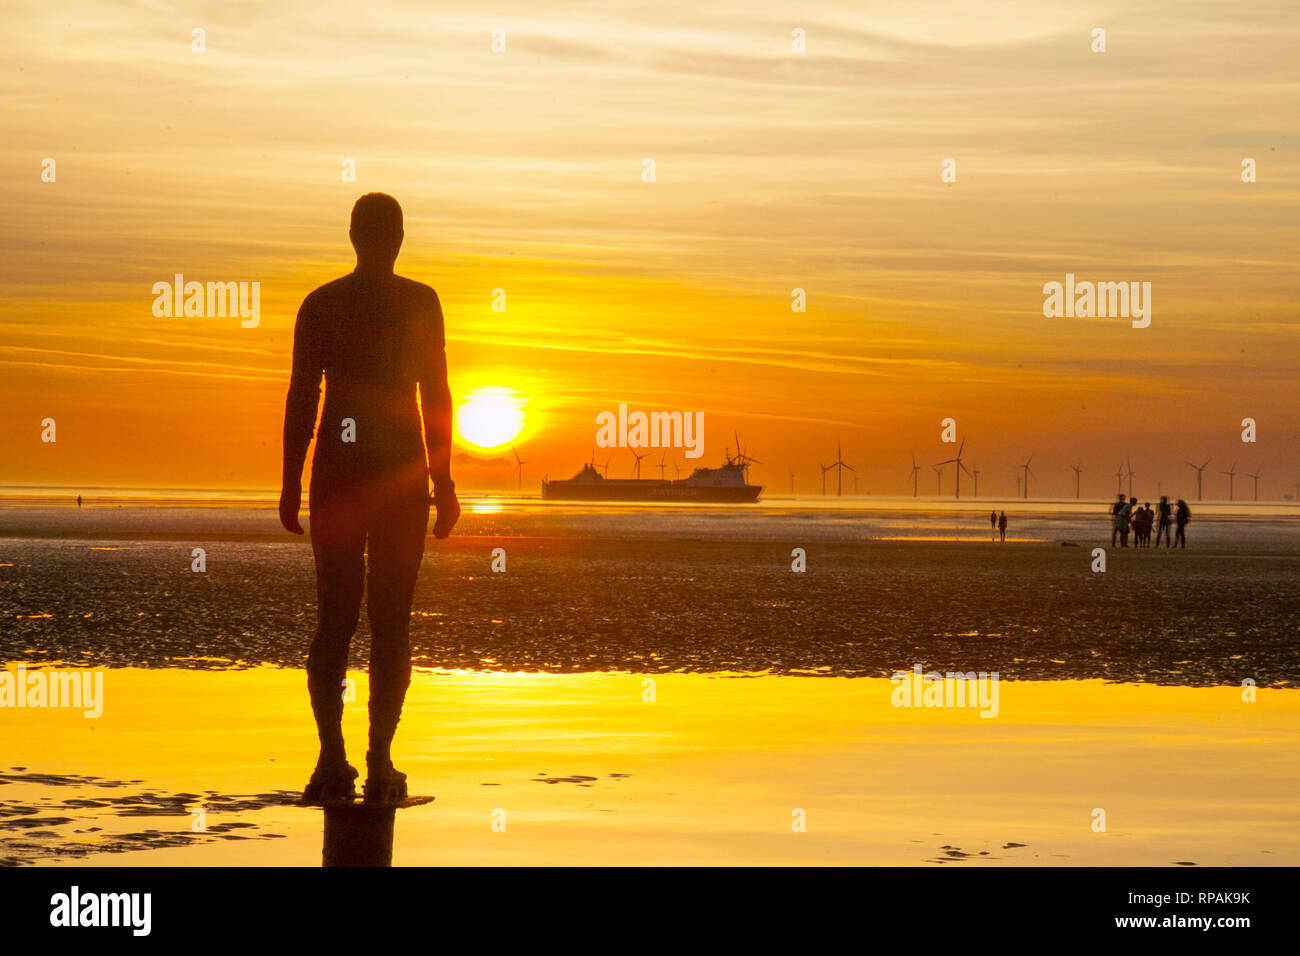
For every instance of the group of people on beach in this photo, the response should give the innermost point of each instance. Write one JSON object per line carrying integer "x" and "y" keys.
{"x": 1127, "y": 516}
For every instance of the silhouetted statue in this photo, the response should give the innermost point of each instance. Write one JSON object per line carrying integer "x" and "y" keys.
{"x": 375, "y": 337}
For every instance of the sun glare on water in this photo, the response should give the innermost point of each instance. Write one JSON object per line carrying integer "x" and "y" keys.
{"x": 490, "y": 417}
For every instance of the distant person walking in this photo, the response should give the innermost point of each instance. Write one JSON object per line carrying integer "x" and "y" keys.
{"x": 1164, "y": 518}
{"x": 78, "y": 501}
{"x": 993, "y": 525}
{"x": 1002, "y": 527}
{"x": 1182, "y": 515}
{"x": 376, "y": 338}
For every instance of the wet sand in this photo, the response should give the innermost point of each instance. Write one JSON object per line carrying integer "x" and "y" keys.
{"x": 711, "y": 772}
{"x": 571, "y": 604}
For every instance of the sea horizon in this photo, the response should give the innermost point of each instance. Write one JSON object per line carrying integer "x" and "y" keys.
{"x": 164, "y": 494}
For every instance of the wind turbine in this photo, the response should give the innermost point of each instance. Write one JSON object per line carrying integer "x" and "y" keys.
{"x": 824, "y": 468}
{"x": 743, "y": 460}
{"x": 792, "y": 482}
{"x": 1199, "y": 470}
{"x": 916, "y": 469}
{"x": 958, "y": 463}
{"x": 638, "y": 463}
{"x": 605, "y": 467}
{"x": 1078, "y": 474}
{"x": 663, "y": 464}
{"x": 1119, "y": 480}
{"x": 839, "y": 467}
{"x": 975, "y": 472}
{"x": 1256, "y": 477}
{"x": 1131, "y": 475}
{"x": 1232, "y": 475}
{"x": 938, "y": 472}
{"x": 1017, "y": 486}
{"x": 519, "y": 466}
{"x": 1028, "y": 472}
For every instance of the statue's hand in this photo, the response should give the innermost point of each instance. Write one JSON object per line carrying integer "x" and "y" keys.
{"x": 290, "y": 502}
{"x": 444, "y": 500}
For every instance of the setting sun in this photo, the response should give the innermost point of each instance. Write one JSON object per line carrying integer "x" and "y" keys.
{"x": 490, "y": 416}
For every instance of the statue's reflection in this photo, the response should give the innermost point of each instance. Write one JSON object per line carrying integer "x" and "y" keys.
{"x": 358, "y": 835}
{"x": 361, "y": 834}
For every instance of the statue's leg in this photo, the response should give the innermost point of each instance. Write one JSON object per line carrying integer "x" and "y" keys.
{"x": 395, "y": 550}
{"x": 338, "y": 542}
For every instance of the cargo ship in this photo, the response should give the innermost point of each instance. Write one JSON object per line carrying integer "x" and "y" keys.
{"x": 726, "y": 484}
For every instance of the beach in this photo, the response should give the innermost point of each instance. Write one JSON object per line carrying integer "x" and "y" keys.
{"x": 642, "y": 687}
{"x": 698, "y": 590}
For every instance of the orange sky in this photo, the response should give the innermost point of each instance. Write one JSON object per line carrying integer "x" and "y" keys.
{"x": 521, "y": 170}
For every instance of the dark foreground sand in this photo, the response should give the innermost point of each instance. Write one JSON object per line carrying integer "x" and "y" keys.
{"x": 1028, "y": 611}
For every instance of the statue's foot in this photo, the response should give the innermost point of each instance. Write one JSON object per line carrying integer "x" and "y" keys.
{"x": 385, "y": 784}
{"x": 331, "y": 782}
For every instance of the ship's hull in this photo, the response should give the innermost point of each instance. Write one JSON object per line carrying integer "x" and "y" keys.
{"x": 648, "y": 491}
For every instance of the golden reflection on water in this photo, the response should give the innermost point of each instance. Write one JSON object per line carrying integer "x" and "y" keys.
{"x": 692, "y": 768}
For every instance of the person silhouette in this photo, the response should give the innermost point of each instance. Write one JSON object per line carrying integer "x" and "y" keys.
{"x": 1116, "y": 522}
{"x": 993, "y": 523}
{"x": 1002, "y": 526}
{"x": 1164, "y": 512}
{"x": 1182, "y": 515}
{"x": 1125, "y": 519}
{"x": 376, "y": 337}
{"x": 78, "y": 501}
